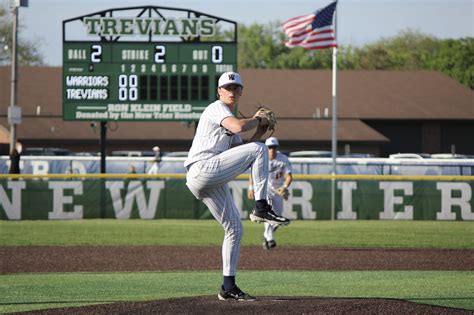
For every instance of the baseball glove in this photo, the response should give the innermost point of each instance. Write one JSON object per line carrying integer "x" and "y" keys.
{"x": 283, "y": 192}
{"x": 268, "y": 114}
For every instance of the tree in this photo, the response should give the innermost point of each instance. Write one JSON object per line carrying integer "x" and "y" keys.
{"x": 262, "y": 46}
{"x": 411, "y": 50}
{"x": 408, "y": 50}
{"x": 455, "y": 58}
{"x": 28, "y": 53}
{"x": 257, "y": 46}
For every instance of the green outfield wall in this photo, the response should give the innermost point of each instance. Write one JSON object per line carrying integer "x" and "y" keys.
{"x": 59, "y": 197}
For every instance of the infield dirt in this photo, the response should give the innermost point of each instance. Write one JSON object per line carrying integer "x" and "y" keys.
{"x": 167, "y": 258}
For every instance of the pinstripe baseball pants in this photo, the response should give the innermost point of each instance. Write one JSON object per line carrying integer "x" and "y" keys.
{"x": 207, "y": 180}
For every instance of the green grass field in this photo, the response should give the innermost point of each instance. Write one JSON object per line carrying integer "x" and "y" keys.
{"x": 28, "y": 291}
{"x": 387, "y": 234}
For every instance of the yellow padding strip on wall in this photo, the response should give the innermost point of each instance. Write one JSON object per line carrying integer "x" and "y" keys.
{"x": 243, "y": 176}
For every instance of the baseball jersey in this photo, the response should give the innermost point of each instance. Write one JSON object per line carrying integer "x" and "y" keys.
{"x": 278, "y": 168}
{"x": 211, "y": 138}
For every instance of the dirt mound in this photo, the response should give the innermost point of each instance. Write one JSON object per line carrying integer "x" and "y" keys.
{"x": 266, "y": 305}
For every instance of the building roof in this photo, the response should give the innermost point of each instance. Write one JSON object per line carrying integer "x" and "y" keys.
{"x": 360, "y": 94}
{"x": 300, "y": 98}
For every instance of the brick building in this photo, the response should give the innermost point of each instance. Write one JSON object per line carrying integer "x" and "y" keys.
{"x": 379, "y": 112}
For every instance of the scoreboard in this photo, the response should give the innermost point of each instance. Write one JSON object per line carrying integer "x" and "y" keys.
{"x": 142, "y": 80}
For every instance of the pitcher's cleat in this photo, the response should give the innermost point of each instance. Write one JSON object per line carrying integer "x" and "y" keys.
{"x": 235, "y": 294}
{"x": 267, "y": 215}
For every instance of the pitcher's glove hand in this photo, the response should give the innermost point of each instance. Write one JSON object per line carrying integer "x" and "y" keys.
{"x": 266, "y": 117}
{"x": 283, "y": 192}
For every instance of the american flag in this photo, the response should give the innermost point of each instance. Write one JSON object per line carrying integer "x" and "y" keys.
{"x": 312, "y": 31}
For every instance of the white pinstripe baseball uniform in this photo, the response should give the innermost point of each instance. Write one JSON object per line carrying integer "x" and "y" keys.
{"x": 216, "y": 157}
{"x": 213, "y": 162}
{"x": 279, "y": 167}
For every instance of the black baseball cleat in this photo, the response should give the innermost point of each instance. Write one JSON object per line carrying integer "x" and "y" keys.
{"x": 267, "y": 215}
{"x": 269, "y": 244}
{"x": 234, "y": 294}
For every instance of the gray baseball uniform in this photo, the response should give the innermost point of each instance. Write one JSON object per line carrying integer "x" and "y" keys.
{"x": 278, "y": 168}
{"x": 213, "y": 162}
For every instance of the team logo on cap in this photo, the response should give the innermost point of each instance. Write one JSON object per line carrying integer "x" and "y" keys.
{"x": 231, "y": 76}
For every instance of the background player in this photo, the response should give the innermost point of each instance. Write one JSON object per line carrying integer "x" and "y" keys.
{"x": 155, "y": 167}
{"x": 279, "y": 179}
{"x": 216, "y": 157}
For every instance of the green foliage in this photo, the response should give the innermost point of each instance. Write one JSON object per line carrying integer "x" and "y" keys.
{"x": 347, "y": 234}
{"x": 410, "y": 50}
{"x": 28, "y": 51}
{"x": 262, "y": 46}
{"x": 455, "y": 58}
{"x": 407, "y": 51}
{"x": 257, "y": 46}
{"x": 23, "y": 292}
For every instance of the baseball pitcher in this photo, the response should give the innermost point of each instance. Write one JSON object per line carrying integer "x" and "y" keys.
{"x": 216, "y": 157}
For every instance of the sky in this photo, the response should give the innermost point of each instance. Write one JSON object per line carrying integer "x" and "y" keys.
{"x": 358, "y": 21}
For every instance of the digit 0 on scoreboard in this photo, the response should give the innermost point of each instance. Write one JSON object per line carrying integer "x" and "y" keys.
{"x": 144, "y": 68}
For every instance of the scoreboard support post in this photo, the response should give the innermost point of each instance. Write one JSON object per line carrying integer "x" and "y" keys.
{"x": 103, "y": 166}
{"x": 103, "y": 146}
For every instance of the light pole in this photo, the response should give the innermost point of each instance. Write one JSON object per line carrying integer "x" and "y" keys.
{"x": 14, "y": 111}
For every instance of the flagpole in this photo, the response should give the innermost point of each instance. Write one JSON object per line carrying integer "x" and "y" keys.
{"x": 334, "y": 122}
{"x": 304, "y": 31}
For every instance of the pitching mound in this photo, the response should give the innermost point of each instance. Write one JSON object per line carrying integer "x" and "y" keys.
{"x": 268, "y": 305}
